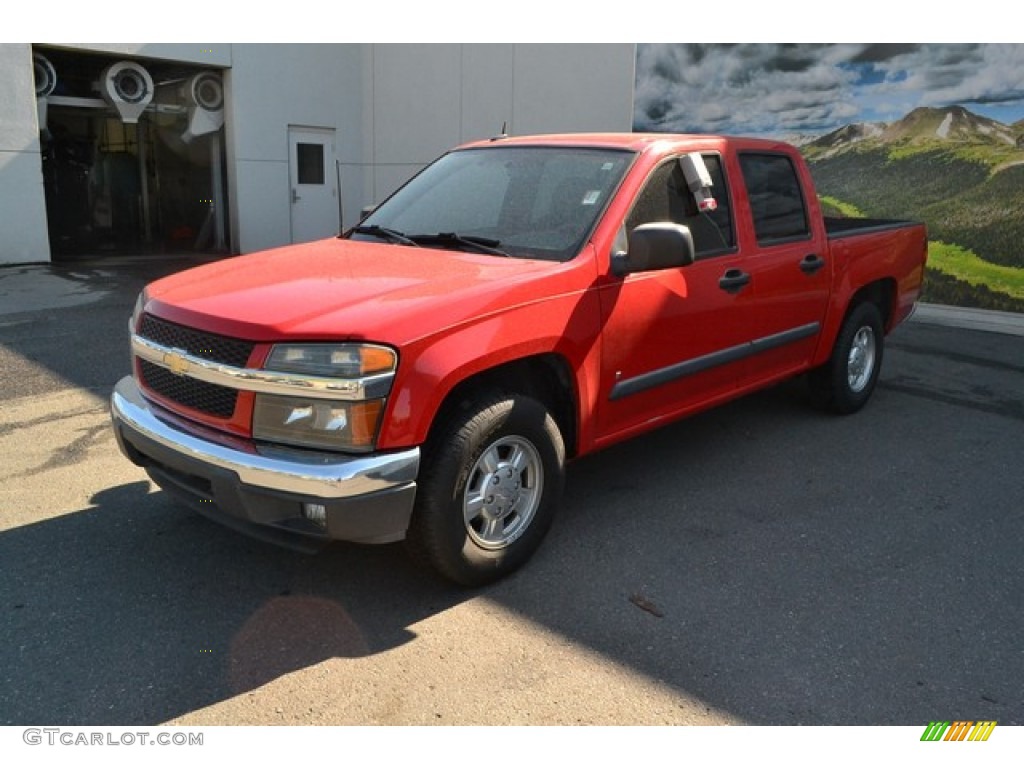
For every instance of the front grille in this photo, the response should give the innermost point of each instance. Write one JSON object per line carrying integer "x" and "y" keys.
{"x": 192, "y": 393}
{"x": 209, "y": 346}
{"x": 201, "y": 396}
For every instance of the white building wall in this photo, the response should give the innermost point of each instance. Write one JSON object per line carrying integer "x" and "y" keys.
{"x": 268, "y": 88}
{"x": 23, "y": 233}
{"x": 428, "y": 98}
{"x": 416, "y": 109}
{"x": 577, "y": 87}
{"x": 488, "y": 90}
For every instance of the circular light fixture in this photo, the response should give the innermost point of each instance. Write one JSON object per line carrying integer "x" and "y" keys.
{"x": 207, "y": 91}
{"x": 45, "y": 75}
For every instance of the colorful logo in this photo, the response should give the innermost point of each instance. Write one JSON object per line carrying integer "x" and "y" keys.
{"x": 960, "y": 730}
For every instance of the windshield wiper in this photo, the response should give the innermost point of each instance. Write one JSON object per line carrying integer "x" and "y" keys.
{"x": 391, "y": 235}
{"x": 478, "y": 244}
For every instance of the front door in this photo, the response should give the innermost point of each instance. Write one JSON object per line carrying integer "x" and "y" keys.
{"x": 673, "y": 340}
{"x": 315, "y": 211}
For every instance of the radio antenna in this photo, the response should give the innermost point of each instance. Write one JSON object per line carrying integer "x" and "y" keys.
{"x": 504, "y": 132}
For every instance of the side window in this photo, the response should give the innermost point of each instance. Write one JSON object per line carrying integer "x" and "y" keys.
{"x": 666, "y": 197}
{"x": 776, "y": 198}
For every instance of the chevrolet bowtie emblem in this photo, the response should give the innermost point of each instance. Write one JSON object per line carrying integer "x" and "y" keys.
{"x": 176, "y": 363}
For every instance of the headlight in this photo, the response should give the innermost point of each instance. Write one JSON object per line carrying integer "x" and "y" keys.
{"x": 313, "y": 423}
{"x": 318, "y": 422}
{"x": 345, "y": 361}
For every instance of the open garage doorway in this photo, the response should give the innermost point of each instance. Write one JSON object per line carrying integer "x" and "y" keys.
{"x": 132, "y": 155}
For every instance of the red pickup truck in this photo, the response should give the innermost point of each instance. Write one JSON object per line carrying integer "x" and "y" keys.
{"x": 519, "y": 303}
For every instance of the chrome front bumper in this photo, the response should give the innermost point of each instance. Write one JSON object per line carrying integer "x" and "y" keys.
{"x": 367, "y": 498}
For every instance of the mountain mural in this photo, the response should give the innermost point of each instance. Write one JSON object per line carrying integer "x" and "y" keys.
{"x": 925, "y": 131}
{"x": 960, "y": 173}
{"x": 927, "y": 128}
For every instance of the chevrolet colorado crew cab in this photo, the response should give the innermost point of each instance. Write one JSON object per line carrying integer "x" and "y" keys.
{"x": 426, "y": 375}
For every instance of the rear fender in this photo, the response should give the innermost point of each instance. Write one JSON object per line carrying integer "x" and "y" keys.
{"x": 886, "y": 267}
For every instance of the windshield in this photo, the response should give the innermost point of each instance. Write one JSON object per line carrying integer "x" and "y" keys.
{"x": 531, "y": 202}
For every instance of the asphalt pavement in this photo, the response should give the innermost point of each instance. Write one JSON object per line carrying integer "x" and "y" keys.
{"x": 757, "y": 564}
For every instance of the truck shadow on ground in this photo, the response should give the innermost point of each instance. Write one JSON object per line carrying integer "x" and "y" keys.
{"x": 137, "y": 611}
{"x": 789, "y": 568}
{"x": 779, "y": 566}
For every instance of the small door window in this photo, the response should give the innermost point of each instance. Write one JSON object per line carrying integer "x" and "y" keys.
{"x": 309, "y": 162}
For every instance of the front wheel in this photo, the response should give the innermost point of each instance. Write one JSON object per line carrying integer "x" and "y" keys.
{"x": 845, "y": 383}
{"x": 491, "y": 483}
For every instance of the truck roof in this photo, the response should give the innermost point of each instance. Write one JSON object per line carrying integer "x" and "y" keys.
{"x": 636, "y": 142}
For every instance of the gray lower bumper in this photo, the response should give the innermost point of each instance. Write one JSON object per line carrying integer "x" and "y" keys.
{"x": 256, "y": 488}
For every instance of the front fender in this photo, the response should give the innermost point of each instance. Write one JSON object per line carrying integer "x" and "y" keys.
{"x": 429, "y": 369}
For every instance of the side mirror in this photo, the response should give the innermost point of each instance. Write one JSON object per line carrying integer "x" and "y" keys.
{"x": 659, "y": 245}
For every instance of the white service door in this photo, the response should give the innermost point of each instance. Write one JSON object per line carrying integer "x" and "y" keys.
{"x": 314, "y": 183}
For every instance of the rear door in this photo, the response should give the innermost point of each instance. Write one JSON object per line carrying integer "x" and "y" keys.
{"x": 787, "y": 267}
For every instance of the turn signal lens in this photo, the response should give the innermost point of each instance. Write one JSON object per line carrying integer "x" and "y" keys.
{"x": 365, "y": 418}
{"x": 376, "y": 360}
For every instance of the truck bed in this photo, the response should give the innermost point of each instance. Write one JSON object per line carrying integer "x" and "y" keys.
{"x": 837, "y": 227}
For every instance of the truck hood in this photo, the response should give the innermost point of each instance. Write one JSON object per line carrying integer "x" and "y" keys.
{"x": 342, "y": 289}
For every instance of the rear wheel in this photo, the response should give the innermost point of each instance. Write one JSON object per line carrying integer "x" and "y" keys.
{"x": 491, "y": 483}
{"x": 846, "y": 382}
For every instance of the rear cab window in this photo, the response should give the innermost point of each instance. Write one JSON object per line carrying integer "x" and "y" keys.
{"x": 776, "y": 198}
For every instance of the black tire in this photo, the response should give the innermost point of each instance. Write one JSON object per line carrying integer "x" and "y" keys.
{"x": 844, "y": 384}
{"x": 509, "y": 445}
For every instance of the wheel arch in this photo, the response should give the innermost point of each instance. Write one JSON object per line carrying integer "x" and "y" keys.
{"x": 545, "y": 377}
{"x": 457, "y": 528}
{"x": 834, "y": 385}
{"x": 881, "y": 293}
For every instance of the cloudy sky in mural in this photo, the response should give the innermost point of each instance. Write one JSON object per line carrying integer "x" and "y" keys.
{"x": 799, "y": 89}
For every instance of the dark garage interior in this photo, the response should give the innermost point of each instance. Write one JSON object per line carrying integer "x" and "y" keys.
{"x": 132, "y": 155}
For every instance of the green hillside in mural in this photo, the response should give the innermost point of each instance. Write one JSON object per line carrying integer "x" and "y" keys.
{"x": 961, "y": 174}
